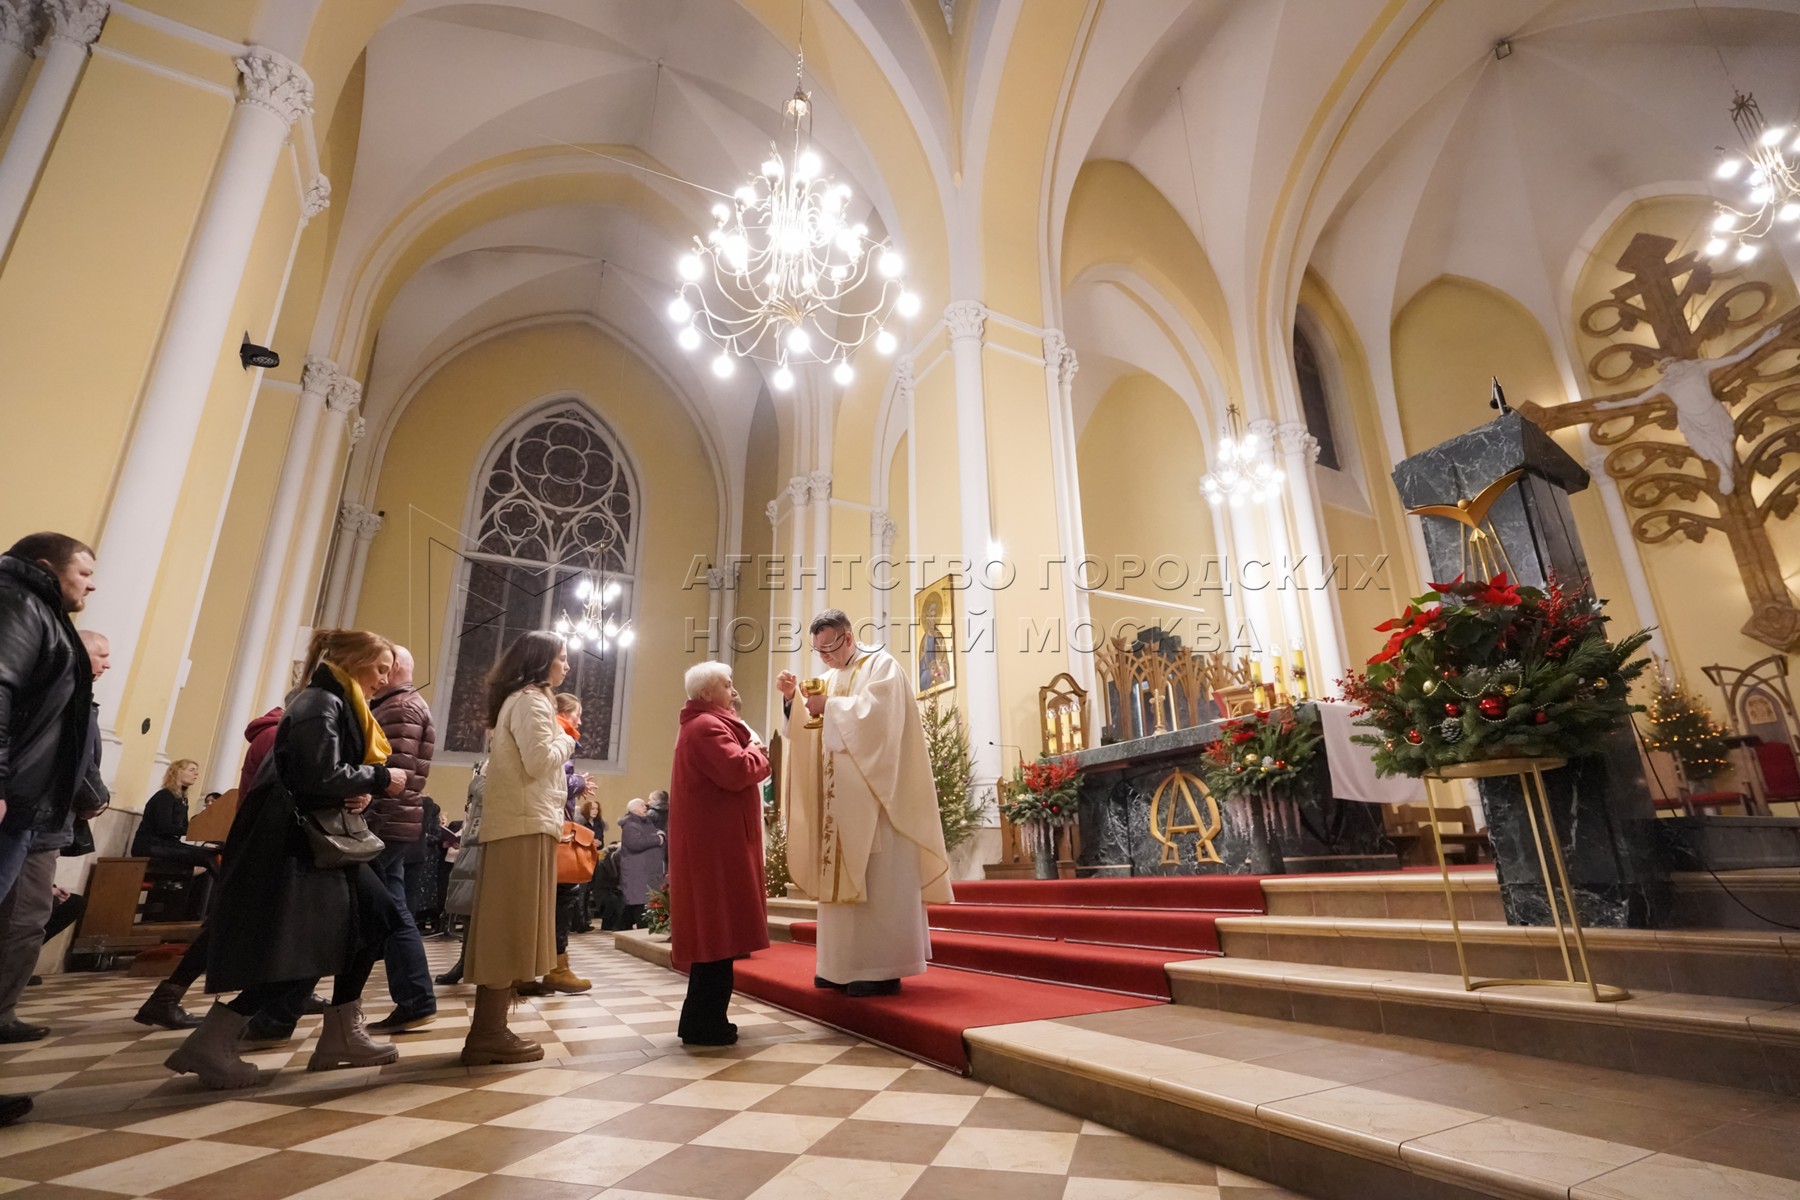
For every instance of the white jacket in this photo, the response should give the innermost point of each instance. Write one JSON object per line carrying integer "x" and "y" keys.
{"x": 526, "y": 785}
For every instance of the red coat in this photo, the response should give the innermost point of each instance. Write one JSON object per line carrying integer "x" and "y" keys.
{"x": 715, "y": 838}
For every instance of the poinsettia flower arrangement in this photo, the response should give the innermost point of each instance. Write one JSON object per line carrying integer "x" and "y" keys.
{"x": 1043, "y": 792}
{"x": 1476, "y": 671}
{"x": 1265, "y": 750}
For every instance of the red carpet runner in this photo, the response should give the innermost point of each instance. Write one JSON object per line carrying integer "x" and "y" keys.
{"x": 1025, "y": 950}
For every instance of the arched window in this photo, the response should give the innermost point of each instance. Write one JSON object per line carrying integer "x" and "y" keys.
{"x": 558, "y": 506}
{"x": 1314, "y": 404}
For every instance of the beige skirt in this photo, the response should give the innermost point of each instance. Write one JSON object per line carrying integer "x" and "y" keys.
{"x": 512, "y": 932}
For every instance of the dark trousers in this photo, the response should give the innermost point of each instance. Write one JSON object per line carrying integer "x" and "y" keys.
{"x": 566, "y": 896}
{"x": 409, "y": 975}
{"x": 630, "y": 915}
{"x": 278, "y": 999}
{"x": 708, "y": 998}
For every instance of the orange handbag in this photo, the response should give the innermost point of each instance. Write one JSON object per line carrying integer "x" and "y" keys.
{"x": 576, "y": 854}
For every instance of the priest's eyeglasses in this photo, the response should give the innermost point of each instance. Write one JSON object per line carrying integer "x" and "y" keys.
{"x": 834, "y": 647}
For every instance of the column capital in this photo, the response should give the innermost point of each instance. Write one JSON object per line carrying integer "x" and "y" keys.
{"x": 317, "y": 198}
{"x": 904, "y": 380}
{"x": 1293, "y": 438}
{"x": 76, "y": 21}
{"x": 818, "y": 486}
{"x": 358, "y": 427}
{"x": 772, "y": 510}
{"x": 272, "y": 82}
{"x": 882, "y": 530}
{"x": 351, "y": 515}
{"x": 369, "y": 526}
{"x": 20, "y": 25}
{"x": 1060, "y": 356}
{"x": 319, "y": 375}
{"x": 344, "y": 394}
{"x": 717, "y": 579}
{"x": 966, "y": 319}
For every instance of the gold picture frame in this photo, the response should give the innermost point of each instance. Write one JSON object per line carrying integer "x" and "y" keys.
{"x": 934, "y": 638}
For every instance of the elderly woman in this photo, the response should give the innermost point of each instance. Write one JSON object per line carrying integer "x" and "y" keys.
{"x": 512, "y": 932}
{"x": 716, "y": 862}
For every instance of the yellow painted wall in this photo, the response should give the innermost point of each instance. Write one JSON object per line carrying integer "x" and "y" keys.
{"x": 423, "y": 486}
{"x": 1698, "y": 590}
{"x": 750, "y": 668}
{"x": 78, "y": 330}
{"x": 1448, "y": 340}
{"x": 1140, "y": 459}
{"x": 900, "y": 596}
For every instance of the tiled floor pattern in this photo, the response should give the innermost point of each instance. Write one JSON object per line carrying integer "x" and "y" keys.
{"x": 617, "y": 1109}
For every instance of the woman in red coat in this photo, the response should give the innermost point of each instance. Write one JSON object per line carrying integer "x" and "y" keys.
{"x": 715, "y": 851}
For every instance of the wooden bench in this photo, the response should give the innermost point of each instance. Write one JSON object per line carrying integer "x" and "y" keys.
{"x": 110, "y": 926}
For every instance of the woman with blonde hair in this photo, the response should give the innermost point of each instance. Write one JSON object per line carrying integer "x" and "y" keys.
{"x": 160, "y": 835}
{"x": 512, "y": 931}
{"x": 290, "y": 911}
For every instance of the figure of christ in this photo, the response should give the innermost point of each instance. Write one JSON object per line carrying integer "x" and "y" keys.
{"x": 864, "y": 835}
{"x": 1702, "y": 419}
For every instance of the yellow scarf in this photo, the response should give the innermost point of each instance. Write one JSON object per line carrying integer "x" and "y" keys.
{"x": 376, "y": 743}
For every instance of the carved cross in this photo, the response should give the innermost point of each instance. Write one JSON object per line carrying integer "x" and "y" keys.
{"x": 1709, "y": 404}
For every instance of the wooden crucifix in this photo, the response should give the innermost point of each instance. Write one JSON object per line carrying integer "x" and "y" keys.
{"x": 1712, "y": 404}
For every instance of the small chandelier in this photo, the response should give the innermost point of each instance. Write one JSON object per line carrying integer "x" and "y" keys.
{"x": 594, "y": 629}
{"x": 786, "y": 275}
{"x": 1246, "y": 469}
{"x": 1770, "y": 174}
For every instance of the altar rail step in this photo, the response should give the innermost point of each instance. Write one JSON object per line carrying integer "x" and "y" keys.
{"x": 1699, "y": 1038}
{"x": 784, "y": 911}
{"x": 1130, "y": 971}
{"x": 1741, "y": 963}
{"x": 1341, "y": 1115}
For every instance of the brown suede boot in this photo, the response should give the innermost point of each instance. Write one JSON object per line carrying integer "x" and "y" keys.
{"x": 489, "y": 1040}
{"x": 211, "y": 1052}
{"x": 345, "y": 1042}
{"x": 562, "y": 979}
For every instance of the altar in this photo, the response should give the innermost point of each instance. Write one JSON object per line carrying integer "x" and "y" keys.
{"x": 1319, "y": 829}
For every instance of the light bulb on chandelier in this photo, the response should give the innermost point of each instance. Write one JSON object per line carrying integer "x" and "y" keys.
{"x": 1246, "y": 468}
{"x": 787, "y": 275}
{"x": 594, "y": 626}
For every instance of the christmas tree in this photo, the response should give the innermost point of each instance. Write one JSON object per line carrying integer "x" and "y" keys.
{"x": 1682, "y": 724}
{"x": 953, "y": 771}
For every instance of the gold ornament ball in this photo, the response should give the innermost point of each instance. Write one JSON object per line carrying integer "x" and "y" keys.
{"x": 1509, "y": 688}
{"x": 1429, "y": 686}
{"x": 1600, "y": 685}
{"x": 1250, "y": 758}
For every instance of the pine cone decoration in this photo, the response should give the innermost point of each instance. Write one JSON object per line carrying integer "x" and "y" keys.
{"x": 1451, "y": 731}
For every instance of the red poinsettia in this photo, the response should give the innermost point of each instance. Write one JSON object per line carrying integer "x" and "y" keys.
{"x": 1407, "y": 625}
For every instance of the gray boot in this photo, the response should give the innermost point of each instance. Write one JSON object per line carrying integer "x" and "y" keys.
{"x": 211, "y": 1052}
{"x": 345, "y": 1042}
{"x": 163, "y": 1008}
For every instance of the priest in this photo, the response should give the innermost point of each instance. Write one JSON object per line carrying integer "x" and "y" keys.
{"x": 864, "y": 837}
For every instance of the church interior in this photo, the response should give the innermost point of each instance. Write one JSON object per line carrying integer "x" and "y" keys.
{"x": 1325, "y": 465}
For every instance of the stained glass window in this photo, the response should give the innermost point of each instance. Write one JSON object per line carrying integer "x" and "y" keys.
{"x": 559, "y": 503}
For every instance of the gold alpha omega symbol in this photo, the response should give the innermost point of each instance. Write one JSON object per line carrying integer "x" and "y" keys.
{"x": 1179, "y": 786}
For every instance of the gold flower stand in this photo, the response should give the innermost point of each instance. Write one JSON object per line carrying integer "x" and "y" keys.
{"x": 1530, "y": 773}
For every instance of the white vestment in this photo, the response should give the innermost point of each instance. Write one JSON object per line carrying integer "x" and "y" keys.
{"x": 864, "y": 837}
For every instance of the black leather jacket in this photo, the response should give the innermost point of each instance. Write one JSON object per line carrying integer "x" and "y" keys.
{"x": 46, "y": 693}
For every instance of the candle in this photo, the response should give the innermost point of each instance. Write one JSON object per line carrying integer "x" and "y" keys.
{"x": 1256, "y": 675}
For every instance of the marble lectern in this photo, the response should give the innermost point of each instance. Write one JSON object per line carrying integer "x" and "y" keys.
{"x": 1602, "y": 805}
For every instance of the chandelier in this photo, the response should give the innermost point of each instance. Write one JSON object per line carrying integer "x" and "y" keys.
{"x": 594, "y": 628}
{"x": 1246, "y": 469}
{"x": 787, "y": 275}
{"x": 1770, "y": 174}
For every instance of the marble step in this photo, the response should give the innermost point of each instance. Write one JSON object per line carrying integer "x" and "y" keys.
{"x": 1708, "y": 1039}
{"x": 1347, "y": 1115}
{"x": 784, "y": 911}
{"x": 1766, "y": 900}
{"x": 1744, "y": 963}
{"x": 1404, "y": 895}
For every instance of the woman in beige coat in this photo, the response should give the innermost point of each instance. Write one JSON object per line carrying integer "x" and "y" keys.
{"x": 512, "y": 931}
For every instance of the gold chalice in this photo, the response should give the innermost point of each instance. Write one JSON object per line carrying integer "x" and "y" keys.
{"x": 813, "y": 687}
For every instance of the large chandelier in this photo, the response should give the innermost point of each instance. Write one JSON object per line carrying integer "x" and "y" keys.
{"x": 787, "y": 275}
{"x": 1770, "y": 178}
{"x": 1246, "y": 469}
{"x": 594, "y": 628}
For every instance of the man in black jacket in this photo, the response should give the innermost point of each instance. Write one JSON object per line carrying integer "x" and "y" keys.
{"x": 47, "y": 736}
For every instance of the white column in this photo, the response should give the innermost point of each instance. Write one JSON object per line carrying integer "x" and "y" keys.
{"x": 818, "y": 494}
{"x": 300, "y": 581}
{"x": 271, "y": 567}
{"x": 74, "y": 28}
{"x": 274, "y": 94}
{"x": 359, "y": 562}
{"x": 20, "y": 32}
{"x": 715, "y": 613}
{"x": 882, "y": 532}
{"x": 967, "y": 322}
{"x": 1060, "y": 365}
{"x": 1299, "y": 452}
{"x": 797, "y": 492}
{"x": 337, "y": 576}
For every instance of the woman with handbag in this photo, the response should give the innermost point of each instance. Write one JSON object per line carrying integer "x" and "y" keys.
{"x": 576, "y": 857}
{"x": 512, "y": 932}
{"x": 297, "y": 899}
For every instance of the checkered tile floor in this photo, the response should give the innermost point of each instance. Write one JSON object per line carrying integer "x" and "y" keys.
{"x": 617, "y": 1109}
